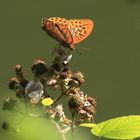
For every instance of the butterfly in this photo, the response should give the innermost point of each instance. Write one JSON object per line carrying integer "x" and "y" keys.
{"x": 67, "y": 32}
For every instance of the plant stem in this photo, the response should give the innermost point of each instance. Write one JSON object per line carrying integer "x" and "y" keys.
{"x": 62, "y": 94}
{"x": 60, "y": 131}
{"x": 20, "y": 112}
{"x": 26, "y": 104}
{"x": 58, "y": 98}
{"x": 18, "y": 122}
{"x": 26, "y": 114}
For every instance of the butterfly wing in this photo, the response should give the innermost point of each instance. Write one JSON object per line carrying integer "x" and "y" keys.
{"x": 52, "y": 30}
{"x": 58, "y": 29}
{"x": 80, "y": 29}
{"x": 66, "y": 33}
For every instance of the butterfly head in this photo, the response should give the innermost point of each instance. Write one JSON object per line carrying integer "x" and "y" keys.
{"x": 46, "y": 24}
{"x": 43, "y": 23}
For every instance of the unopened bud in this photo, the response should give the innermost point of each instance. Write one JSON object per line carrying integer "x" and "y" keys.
{"x": 39, "y": 67}
{"x": 13, "y": 82}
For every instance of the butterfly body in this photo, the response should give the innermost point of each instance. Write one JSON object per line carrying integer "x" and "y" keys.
{"x": 67, "y": 32}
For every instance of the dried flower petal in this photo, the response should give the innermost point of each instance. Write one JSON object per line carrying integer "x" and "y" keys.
{"x": 67, "y": 59}
{"x": 79, "y": 77}
{"x": 34, "y": 90}
{"x": 51, "y": 82}
{"x": 87, "y": 103}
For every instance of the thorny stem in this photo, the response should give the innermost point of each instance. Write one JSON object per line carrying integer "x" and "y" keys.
{"x": 58, "y": 98}
{"x": 62, "y": 94}
{"x": 56, "y": 124}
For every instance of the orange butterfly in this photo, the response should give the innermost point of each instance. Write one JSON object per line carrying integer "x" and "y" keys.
{"x": 67, "y": 32}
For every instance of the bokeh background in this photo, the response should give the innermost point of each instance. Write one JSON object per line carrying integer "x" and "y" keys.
{"x": 112, "y": 69}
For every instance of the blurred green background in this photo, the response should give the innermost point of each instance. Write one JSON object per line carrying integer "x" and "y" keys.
{"x": 112, "y": 70}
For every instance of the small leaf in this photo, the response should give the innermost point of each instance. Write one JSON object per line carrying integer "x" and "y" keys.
{"x": 47, "y": 101}
{"x": 126, "y": 127}
{"x": 90, "y": 125}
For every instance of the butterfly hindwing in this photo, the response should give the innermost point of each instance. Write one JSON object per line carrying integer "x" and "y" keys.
{"x": 66, "y": 33}
{"x": 53, "y": 31}
{"x": 58, "y": 30}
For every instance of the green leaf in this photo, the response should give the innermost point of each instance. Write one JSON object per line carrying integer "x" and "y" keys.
{"x": 127, "y": 127}
{"x": 90, "y": 125}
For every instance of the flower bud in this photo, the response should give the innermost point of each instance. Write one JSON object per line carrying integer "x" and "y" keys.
{"x": 51, "y": 82}
{"x": 92, "y": 101}
{"x": 89, "y": 109}
{"x": 75, "y": 103}
{"x": 79, "y": 77}
{"x": 66, "y": 73}
{"x": 20, "y": 76}
{"x": 18, "y": 69}
{"x": 13, "y": 82}
{"x": 63, "y": 75}
{"x": 39, "y": 67}
{"x": 73, "y": 83}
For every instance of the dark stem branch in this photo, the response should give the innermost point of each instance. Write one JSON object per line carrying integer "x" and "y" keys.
{"x": 62, "y": 94}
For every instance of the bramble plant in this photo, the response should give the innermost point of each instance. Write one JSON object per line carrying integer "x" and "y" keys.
{"x": 57, "y": 76}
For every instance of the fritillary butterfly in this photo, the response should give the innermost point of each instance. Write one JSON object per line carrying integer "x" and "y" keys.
{"x": 67, "y": 32}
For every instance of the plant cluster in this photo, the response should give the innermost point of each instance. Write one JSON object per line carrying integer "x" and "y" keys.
{"x": 54, "y": 77}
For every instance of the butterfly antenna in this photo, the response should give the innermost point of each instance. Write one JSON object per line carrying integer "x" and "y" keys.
{"x": 77, "y": 49}
{"x": 91, "y": 49}
{"x": 87, "y": 49}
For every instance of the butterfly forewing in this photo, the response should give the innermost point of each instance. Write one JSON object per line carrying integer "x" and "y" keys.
{"x": 80, "y": 29}
{"x": 57, "y": 20}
